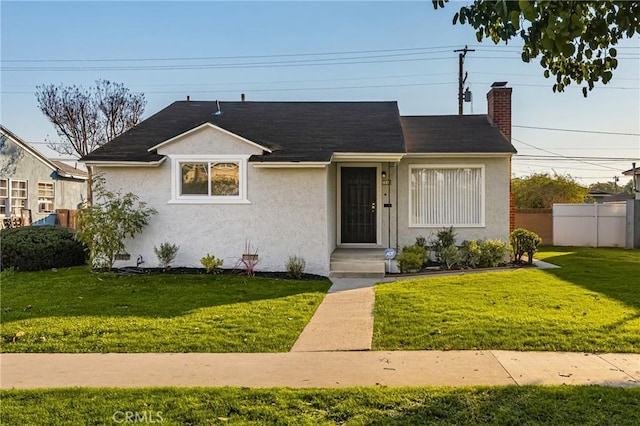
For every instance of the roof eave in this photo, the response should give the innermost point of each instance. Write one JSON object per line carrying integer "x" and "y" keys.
{"x": 103, "y": 163}
{"x": 457, "y": 154}
{"x": 290, "y": 164}
{"x": 392, "y": 157}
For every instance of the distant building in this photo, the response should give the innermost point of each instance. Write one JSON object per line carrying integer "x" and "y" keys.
{"x": 34, "y": 187}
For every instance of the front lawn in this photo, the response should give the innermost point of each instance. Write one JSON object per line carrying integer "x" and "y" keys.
{"x": 74, "y": 310}
{"x": 591, "y": 304}
{"x": 511, "y": 405}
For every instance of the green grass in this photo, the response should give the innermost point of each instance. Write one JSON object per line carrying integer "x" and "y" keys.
{"x": 591, "y": 304}
{"x": 355, "y": 406}
{"x": 73, "y": 310}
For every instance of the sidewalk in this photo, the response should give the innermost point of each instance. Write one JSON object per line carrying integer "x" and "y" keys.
{"x": 344, "y": 319}
{"x": 319, "y": 369}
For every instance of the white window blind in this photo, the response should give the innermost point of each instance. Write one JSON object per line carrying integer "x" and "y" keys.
{"x": 447, "y": 196}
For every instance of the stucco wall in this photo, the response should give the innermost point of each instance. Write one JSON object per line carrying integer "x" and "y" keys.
{"x": 18, "y": 164}
{"x": 496, "y": 201}
{"x": 286, "y": 214}
{"x": 208, "y": 140}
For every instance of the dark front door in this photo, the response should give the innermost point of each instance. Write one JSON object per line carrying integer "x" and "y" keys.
{"x": 358, "y": 194}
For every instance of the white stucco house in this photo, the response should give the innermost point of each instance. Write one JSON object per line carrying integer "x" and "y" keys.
{"x": 310, "y": 178}
{"x": 33, "y": 185}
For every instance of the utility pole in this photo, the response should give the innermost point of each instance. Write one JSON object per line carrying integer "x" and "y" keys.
{"x": 461, "y": 80}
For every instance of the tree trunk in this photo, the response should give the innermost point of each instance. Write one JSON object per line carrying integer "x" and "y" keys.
{"x": 89, "y": 200}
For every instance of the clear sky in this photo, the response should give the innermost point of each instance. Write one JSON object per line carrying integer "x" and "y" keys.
{"x": 317, "y": 51}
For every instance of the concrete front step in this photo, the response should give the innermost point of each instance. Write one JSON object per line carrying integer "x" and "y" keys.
{"x": 357, "y": 268}
{"x": 357, "y": 263}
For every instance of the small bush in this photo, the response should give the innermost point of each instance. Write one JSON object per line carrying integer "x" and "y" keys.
{"x": 166, "y": 253}
{"x": 446, "y": 237}
{"x": 470, "y": 254}
{"x": 523, "y": 241}
{"x": 296, "y": 267}
{"x": 35, "y": 248}
{"x": 493, "y": 253}
{"x": 451, "y": 257}
{"x": 412, "y": 258}
{"x": 211, "y": 263}
{"x": 422, "y": 242}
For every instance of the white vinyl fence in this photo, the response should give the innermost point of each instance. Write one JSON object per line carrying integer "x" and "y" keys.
{"x": 589, "y": 225}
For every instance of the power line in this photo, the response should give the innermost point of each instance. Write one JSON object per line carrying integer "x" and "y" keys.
{"x": 195, "y": 58}
{"x": 479, "y": 47}
{"x": 553, "y": 157}
{"x": 560, "y": 155}
{"x": 577, "y": 130}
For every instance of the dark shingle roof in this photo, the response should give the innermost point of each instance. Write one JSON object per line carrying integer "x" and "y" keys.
{"x": 453, "y": 133}
{"x": 293, "y": 131}
{"x": 311, "y": 131}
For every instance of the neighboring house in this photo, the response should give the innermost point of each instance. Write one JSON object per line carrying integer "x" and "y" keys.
{"x": 305, "y": 178}
{"x": 31, "y": 182}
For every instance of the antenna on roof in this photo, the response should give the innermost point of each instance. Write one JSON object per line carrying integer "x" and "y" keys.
{"x": 218, "y": 110}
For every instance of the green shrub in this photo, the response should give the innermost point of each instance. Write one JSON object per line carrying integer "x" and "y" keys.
{"x": 493, "y": 253}
{"x": 166, "y": 253}
{"x": 422, "y": 242}
{"x": 35, "y": 248}
{"x": 211, "y": 263}
{"x": 296, "y": 267}
{"x": 451, "y": 257}
{"x": 446, "y": 237}
{"x": 105, "y": 225}
{"x": 523, "y": 241}
{"x": 470, "y": 254}
{"x": 412, "y": 258}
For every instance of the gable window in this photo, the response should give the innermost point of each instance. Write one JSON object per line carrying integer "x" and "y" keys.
{"x": 18, "y": 196}
{"x": 210, "y": 180}
{"x": 4, "y": 196}
{"x": 446, "y": 195}
{"x": 45, "y": 197}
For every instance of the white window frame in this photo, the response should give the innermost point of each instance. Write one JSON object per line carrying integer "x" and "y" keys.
{"x": 176, "y": 179}
{"x": 45, "y": 199}
{"x": 12, "y": 198}
{"x": 4, "y": 199}
{"x": 481, "y": 167}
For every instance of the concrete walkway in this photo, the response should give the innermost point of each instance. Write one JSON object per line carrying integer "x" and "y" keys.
{"x": 319, "y": 369}
{"x": 344, "y": 319}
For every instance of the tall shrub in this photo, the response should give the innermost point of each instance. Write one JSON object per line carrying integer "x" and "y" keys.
{"x": 444, "y": 239}
{"x": 524, "y": 241}
{"x": 112, "y": 218}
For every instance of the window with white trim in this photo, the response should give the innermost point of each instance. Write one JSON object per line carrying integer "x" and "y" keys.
{"x": 18, "y": 196}
{"x": 210, "y": 180}
{"x": 446, "y": 195}
{"x": 45, "y": 197}
{"x": 4, "y": 196}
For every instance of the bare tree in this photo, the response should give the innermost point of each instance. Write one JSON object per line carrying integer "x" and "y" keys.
{"x": 88, "y": 118}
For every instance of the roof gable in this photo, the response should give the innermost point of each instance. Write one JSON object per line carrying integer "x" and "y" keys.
{"x": 60, "y": 168}
{"x": 204, "y": 127}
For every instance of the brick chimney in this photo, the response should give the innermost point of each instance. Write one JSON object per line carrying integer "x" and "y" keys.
{"x": 499, "y": 112}
{"x": 499, "y": 107}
